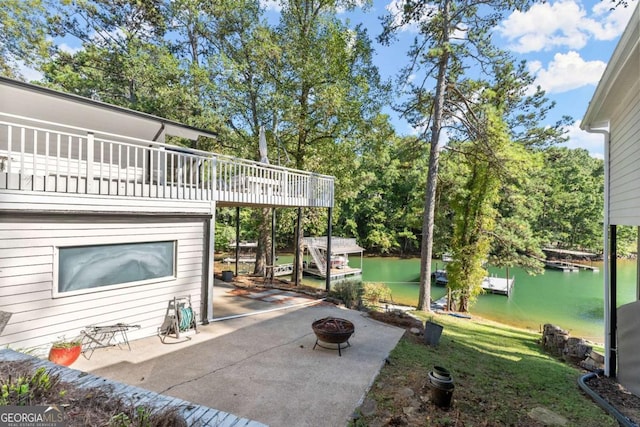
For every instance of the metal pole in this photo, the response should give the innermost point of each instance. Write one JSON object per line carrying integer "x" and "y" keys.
{"x": 638, "y": 264}
{"x": 237, "y": 237}
{"x": 613, "y": 291}
{"x": 296, "y": 268}
{"x": 273, "y": 237}
{"x": 328, "y": 276}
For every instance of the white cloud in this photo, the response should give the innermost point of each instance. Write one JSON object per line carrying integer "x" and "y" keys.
{"x": 567, "y": 71}
{"x": 562, "y": 24}
{"x": 69, "y": 49}
{"x": 610, "y": 23}
{"x": 273, "y": 5}
{"x": 396, "y": 9}
{"x": 28, "y": 73}
{"x": 592, "y": 142}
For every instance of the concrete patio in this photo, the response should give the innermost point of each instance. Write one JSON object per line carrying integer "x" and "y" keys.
{"x": 261, "y": 367}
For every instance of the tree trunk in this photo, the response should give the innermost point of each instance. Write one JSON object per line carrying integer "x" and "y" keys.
{"x": 263, "y": 252}
{"x": 424, "y": 299}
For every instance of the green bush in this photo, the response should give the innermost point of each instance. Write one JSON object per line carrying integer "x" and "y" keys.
{"x": 349, "y": 291}
{"x": 24, "y": 389}
{"x": 376, "y": 292}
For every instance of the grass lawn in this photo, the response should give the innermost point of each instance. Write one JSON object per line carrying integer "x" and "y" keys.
{"x": 501, "y": 375}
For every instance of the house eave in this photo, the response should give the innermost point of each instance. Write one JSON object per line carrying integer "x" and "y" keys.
{"x": 623, "y": 69}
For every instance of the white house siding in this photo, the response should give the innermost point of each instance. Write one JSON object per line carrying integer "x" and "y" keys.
{"x": 624, "y": 198}
{"x": 27, "y": 257}
{"x": 33, "y": 201}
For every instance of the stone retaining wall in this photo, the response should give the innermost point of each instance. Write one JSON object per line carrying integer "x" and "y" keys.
{"x": 558, "y": 342}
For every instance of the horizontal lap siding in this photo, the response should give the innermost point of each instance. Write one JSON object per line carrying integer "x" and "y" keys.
{"x": 624, "y": 163}
{"x": 38, "y": 201}
{"x": 27, "y": 268}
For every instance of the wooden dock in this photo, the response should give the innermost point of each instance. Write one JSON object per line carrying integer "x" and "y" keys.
{"x": 498, "y": 285}
{"x": 565, "y": 267}
{"x": 336, "y": 273}
{"x": 582, "y": 266}
{"x": 493, "y": 285}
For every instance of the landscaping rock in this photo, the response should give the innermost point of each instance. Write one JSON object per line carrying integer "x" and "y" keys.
{"x": 547, "y": 417}
{"x": 576, "y": 349}
{"x": 558, "y": 342}
{"x": 368, "y": 407}
{"x": 415, "y": 331}
{"x": 406, "y": 392}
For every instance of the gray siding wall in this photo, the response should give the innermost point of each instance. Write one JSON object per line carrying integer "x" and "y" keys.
{"x": 624, "y": 161}
{"x": 27, "y": 248}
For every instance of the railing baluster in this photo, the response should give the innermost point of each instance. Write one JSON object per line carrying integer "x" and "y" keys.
{"x": 46, "y": 161}
{"x": 33, "y": 160}
{"x": 164, "y": 171}
{"x": 172, "y": 174}
{"x": 21, "y": 175}
{"x": 110, "y": 167}
{"x": 151, "y": 172}
{"x": 126, "y": 174}
{"x": 58, "y": 144}
{"x": 119, "y": 171}
{"x": 79, "y": 168}
{"x": 184, "y": 175}
{"x": 144, "y": 169}
{"x": 100, "y": 177}
{"x": 9, "y": 150}
{"x": 135, "y": 170}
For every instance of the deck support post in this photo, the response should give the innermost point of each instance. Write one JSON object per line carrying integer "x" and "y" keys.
{"x": 327, "y": 282}
{"x": 613, "y": 291}
{"x": 209, "y": 269}
{"x": 298, "y": 237}
{"x": 273, "y": 237}
{"x": 237, "y": 237}
{"x": 638, "y": 264}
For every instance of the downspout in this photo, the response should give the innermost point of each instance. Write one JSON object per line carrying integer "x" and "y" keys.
{"x": 609, "y": 326}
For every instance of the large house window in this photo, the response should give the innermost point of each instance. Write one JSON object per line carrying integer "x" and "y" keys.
{"x": 85, "y": 268}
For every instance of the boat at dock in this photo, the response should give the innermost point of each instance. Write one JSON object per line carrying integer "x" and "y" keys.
{"x": 490, "y": 284}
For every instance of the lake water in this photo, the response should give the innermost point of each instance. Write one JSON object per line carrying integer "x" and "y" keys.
{"x": 573, "y": 301}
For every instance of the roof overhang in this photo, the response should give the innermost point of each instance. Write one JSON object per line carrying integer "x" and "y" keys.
{"x": 28, "y": 100}
{"x": 620, "y": 77}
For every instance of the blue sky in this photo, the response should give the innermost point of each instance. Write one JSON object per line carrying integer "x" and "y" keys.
{"x": 566, "y": 43}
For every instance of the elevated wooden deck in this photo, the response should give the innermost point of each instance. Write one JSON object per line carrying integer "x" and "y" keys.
{"x": 82, "y": 167}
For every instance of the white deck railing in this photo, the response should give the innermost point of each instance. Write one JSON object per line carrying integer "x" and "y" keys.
{"x": 47, "y": 157}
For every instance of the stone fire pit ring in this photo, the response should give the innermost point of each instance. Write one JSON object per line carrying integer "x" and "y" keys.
{"x": 332, "y": 330}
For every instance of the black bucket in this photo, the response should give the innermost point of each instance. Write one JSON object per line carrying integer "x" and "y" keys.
{"x": 441, "y": 385}
{"x": 432, "y": 332}
{"x": 227, "y": 275}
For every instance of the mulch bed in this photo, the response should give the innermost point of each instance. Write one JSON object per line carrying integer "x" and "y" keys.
{"x": 83, "y": 406}
{"x": 610, "y": 390}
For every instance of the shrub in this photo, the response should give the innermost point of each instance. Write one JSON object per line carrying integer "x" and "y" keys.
{"x": 349, "y": 291}
{"x": 376, "y": 292}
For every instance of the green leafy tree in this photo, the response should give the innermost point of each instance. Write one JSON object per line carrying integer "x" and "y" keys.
{"x": 474, "y": 205}
{"x": 328, "y": 88}
{"x": 572, "y": 199}
{"x": 454, "y": 38}
{"x": 23, "y": 35}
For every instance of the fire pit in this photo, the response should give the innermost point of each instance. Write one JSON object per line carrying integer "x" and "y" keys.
{"x": 332, "y": 330}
